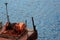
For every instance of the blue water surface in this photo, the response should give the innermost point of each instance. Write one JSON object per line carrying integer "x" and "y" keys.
{"x": 46, "y": 15}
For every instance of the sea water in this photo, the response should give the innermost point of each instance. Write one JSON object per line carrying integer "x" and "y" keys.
{"x": 46, "y": 15}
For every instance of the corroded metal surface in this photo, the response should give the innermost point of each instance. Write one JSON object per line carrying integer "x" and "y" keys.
{"x": 23, "y": 36}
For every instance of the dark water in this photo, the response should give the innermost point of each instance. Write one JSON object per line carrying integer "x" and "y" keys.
{"x": 46, "y": 15}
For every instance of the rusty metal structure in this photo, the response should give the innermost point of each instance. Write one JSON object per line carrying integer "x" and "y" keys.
{"x": 17, "y": 31}
{"x": 0, "y": 25}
